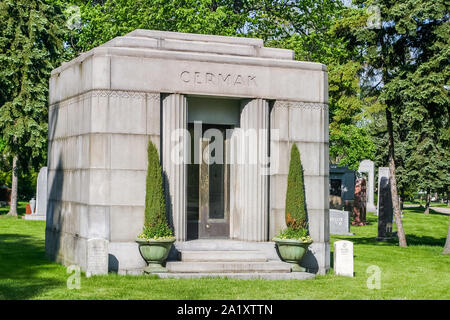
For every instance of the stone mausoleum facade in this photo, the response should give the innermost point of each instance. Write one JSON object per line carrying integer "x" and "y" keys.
{"x": 106, "y": 105}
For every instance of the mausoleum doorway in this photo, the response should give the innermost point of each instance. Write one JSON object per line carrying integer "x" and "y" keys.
{"x": 211, "y": 122}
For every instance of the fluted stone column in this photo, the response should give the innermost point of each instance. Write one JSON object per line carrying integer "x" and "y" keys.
{"x": 174, "y": 148}
{"x": 253, "y": 180}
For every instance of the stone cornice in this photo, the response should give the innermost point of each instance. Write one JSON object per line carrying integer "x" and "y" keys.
{"x": 109, "y": 93}
{"x": 301, "y": 105}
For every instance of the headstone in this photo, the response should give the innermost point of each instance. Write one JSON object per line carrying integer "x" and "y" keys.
{"x": 382, "y": 172}
{"x": 340, "y": 222}
{"x": 369, "y": 167}
{"x": 385, "y": 210}
{"x": 41, "y": 197}
{"x": 359, "y": 204}
{"x": 343, "y": 258}
{"x": 97, "y": 256}
{"x": 32, "y": 205}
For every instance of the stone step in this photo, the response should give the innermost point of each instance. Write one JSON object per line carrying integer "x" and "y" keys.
{"x": 227, "y": 267}
{"x": 239, "y": 275}
{"x": 223, "y": 256}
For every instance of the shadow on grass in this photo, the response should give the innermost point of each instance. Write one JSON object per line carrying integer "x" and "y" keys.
{"x": 22, "y": 257}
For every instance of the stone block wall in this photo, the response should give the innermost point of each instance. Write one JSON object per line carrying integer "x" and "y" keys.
{"x": 96, "y": 172}
{"x": 293, "y": 121}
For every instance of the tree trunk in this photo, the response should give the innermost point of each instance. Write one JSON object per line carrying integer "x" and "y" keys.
{"x": 393, "y": 181}
{"x": 427, "y": 203}
{"x": 447, "y": 243}
{"x": 13, "y": 207}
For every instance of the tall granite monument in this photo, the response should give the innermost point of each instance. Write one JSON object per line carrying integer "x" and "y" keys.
{"x": 385, "y": 211}
{"x": 368, "y": 167}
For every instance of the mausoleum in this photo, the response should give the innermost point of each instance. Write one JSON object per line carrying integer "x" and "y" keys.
{"x": 180, "y": 90}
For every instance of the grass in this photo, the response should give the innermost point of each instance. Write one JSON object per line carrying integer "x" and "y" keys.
{"x": 432, "y": 204}
{"x": 420, "y": 271}
{"x": 21, "y": 207}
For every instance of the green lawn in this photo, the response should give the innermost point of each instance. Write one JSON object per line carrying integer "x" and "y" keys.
{"x": 21, "y": 205}
{"x": 417, "y": 272}
{"x": 432, "y": 204}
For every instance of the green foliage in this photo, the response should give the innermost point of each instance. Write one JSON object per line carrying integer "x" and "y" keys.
{"x": 31, "y": 44}
{"x": 160, "y": 231}
{"x": 351, "y": 144}
{"x": 407, "y": 70}
{"x": 155, "y": 225}
{"x": 300, "y": 234}
{"x": 295, "y": 208}
{"x": 102, "y": 21}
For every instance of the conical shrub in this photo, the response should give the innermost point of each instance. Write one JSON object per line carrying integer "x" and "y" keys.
{"x": 295, "y": 194}
{"x": 155, "y": 225}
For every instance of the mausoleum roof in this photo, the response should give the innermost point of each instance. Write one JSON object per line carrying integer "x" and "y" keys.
{"x": 200, "y": 43}
{"x": 190, "y": 46}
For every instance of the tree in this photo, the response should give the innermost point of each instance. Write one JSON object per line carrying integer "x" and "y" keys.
{"x": 104, "y": 20}
{"x": 447, "y": 242}
{"x": 295, "y": 208}
{"x": 31, "y": 43}
{"x": 397, "y": 55}
{"x": 155, "y": 224}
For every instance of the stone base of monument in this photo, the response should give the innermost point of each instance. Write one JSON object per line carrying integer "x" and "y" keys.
{"x": 34, "y": 217}
{"x": 246, "y": 276}
{"x": 230, "y": 259}
{"x": 388, "y": 237}
{"x": 155, "y": 268}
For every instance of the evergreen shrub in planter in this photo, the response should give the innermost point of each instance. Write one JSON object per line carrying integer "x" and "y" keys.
{"x": 293, "y": 242}
{"x": 157, "y": 238}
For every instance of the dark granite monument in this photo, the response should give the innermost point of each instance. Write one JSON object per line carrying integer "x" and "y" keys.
{"x": 385, "y": 213}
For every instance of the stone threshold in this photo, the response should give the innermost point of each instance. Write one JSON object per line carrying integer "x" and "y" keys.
{"x": 244, "y": 276}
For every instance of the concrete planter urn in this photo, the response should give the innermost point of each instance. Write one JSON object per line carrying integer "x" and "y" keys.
{"x": 292, "y": 251}
{"x": 155, "y": 252}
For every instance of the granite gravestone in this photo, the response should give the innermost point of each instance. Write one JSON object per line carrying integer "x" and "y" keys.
{"x": 359, "y": 204}
{"x": 343, "y": 258}
{"x": 97, "y": 256}
{"x": 382, "y": 172}
{"x": 385, "y": 210}
{"x": 340, "y": 222}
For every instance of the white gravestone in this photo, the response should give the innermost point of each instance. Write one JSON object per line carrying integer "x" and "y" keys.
{"x": 343, "y": 258}
{"x": 369, "y": 167}
{"x": 97, "y": 257}
{"x": 41, "y": 197}
{"x": 41, "y": 192}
